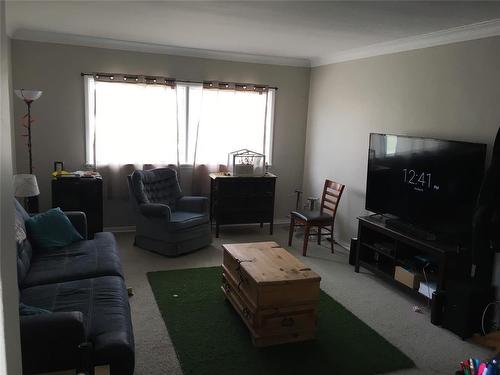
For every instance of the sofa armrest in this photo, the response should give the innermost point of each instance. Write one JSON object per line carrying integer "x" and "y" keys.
{"x": 79, "y": 221}
{"x": 116, "y": 349}
{"x": 52, "y": 341}
{"x": 155, "y": 210}
{"x": 192, "y": 204}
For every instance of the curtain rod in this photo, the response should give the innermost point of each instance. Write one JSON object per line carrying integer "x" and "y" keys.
{"x": 177, "y": 80}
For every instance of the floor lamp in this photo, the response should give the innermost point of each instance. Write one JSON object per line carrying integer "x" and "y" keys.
{"x": 29, "y": 96}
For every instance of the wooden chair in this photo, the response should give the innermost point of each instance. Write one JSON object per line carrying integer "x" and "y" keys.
{"x": 324, "y": 219}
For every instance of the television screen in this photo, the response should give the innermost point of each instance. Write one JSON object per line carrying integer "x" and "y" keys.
{"x": 430, "y": 183}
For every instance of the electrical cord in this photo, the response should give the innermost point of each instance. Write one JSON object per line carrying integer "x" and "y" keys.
{"x": 427, "y": 283}
{"x": 484, "y": 315}
{"x": 416, "y": 308}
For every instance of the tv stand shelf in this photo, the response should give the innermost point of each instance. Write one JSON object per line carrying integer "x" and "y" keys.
{"x": 381, "y": 248}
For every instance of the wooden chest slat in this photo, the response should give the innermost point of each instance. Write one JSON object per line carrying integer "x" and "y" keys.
{"x": 274, "y": 326}
{"x": 275, "y": 294}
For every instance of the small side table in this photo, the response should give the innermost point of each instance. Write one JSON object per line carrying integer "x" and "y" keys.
{"x": 80, "y": 194}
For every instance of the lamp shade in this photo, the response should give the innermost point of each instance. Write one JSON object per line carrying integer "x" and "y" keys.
{"x": 28, "y": 95}
{"x": 25, "y": 185}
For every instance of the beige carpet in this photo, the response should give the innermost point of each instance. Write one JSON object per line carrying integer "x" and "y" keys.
{"x": 385, "y": 309}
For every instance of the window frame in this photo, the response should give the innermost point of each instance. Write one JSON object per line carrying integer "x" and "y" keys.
{"x": 90, "y": 103}
{"x": 90, "y": 98}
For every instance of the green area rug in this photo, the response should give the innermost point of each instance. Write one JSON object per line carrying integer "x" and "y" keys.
{"x": 211, "y": 339}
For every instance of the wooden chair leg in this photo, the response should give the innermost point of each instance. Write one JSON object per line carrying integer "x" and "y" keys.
{"x": 307, "y": 228}
{"x": 290, "y": 234}
{"x": 331, "y": 239}
{"x": 319, "y": 235}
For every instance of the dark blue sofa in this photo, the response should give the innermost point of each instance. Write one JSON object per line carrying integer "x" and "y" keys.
{"x": 83, "y": 288}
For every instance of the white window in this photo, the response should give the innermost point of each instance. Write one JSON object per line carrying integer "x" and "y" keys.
{"x": 153, "y": 124}
{"x": 233, "y": 120}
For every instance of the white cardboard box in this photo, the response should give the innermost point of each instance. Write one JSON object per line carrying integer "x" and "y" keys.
{"x": 427, "y": 288}
{"x": 406, "y": 277}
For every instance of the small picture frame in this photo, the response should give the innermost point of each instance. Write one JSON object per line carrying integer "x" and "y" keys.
{"x": 58, "y": 166}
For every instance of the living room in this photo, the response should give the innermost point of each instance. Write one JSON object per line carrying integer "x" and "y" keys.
{"x": 109, "y": 88}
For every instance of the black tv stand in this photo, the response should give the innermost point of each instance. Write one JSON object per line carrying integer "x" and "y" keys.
{"x": 410, "y": 229}
{"x": 381, "y": 248}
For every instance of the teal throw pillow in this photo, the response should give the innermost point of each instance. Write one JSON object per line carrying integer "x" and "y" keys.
{"x": 51, "y": 229}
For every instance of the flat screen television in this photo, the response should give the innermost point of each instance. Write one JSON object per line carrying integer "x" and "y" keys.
{"x": 430, "y": 183}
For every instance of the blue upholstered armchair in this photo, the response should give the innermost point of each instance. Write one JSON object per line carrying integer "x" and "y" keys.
{"x": 167, "y": 222}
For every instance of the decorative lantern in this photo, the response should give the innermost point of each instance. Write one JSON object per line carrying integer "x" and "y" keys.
{"x": 246, "y": 163}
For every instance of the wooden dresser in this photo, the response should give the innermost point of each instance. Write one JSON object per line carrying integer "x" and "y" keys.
{"x": 241, "y": 200}
{"x": 275, "y": 294}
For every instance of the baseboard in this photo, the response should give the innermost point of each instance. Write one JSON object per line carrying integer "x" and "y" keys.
{"x": 283, "y": 221}
{"x": 131, "y": 228}
{"x": 344, "y": 245}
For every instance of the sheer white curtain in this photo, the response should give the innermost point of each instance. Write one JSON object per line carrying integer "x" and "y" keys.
{"x": 135, "y": 124}
{"x": 232, "y": 120}
{"x": 129, "y": 126}
{"x": 139, "y": 126}
{"x": 220, "y": 121}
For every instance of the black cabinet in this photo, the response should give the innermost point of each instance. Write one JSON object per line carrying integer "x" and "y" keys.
{"x": 241, "y": 200}
{"x": 80, "y": 194}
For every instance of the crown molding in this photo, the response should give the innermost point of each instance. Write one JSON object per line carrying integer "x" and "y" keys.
{"x": 456, "y": 34}
{"x": 106, "y": 43}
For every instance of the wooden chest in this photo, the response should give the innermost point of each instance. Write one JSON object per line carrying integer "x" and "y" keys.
{"x": 275, "y": 294}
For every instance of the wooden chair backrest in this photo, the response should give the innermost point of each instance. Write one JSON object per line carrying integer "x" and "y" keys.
{"x": 331, "y": 197}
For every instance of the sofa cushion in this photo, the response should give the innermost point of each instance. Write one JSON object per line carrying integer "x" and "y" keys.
{"x": 51, "y": 229}
{"x": 103, "y": 301}
{"x": 183, "y": 220}
{"x": 20, "y": 211}
{"x": 23, "y": 246}
{"x": 20, "y": 229}
{"x": 83, "y": 259}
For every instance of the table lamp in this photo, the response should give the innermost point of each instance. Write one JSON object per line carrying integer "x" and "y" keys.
{"x": 26, "y": 186}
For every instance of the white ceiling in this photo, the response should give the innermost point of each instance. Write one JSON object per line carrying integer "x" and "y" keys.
{"x": 285, "y": 32}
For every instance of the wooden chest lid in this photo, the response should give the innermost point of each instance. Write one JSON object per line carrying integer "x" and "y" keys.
{"x": 268, "y": 263}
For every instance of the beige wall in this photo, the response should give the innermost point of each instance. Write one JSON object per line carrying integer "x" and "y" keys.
{"x": 10, "y": 350}
{"x": 450, "y": 92}
{"x": 59, "y": 131}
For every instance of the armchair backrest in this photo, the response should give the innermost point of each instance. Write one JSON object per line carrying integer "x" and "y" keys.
{"x": 133, "y": 198}
{"x": 156, "y": 186}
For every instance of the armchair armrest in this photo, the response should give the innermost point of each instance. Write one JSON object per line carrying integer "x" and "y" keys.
{"x": 52, "y": 341}
{"x": 192, "y": 204}
{"x": 79, "y": 221}
{"x": 155, "y": 210}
